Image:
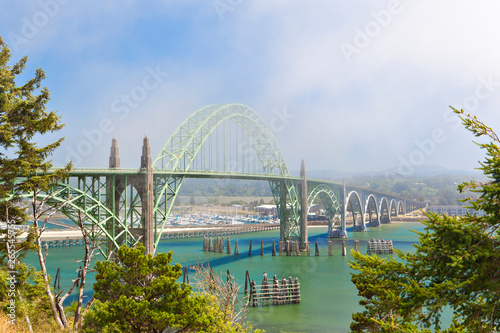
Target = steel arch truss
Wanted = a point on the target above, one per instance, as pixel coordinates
(180, 151)
(88, 197)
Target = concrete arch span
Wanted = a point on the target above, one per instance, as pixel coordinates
(393, 208)
(372, 211)
(334, 211)
(401, 208)
(385, 212)
(354, 204)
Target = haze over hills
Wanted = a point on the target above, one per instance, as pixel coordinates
(432, 184)
(417, 171)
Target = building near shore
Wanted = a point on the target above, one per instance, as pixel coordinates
(454, 210)
(266, 210)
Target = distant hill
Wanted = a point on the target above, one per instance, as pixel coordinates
(419, 171)
(432, 184)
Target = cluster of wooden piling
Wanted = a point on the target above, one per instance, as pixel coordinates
(380, 246)
(288, 248)
(57, 280)
(276, 292)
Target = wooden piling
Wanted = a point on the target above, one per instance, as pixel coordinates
(221, 245)
(344, 250)
(261, 248)
(288, 248)
(281, 247)
(297, 247)
(236, 252)
(58, 278)
(316, 252)
(308, 249)
(356, 245)
(330, 248)
(210, 244)
(228, 246)
(277, 296)
(274, 248)
(247, 278)
(253, 292)
(297, 290)
(250, 248)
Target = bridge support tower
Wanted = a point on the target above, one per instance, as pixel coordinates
(143, 184)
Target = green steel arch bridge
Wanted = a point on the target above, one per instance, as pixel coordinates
(229, 141)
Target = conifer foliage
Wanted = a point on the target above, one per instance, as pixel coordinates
(455, 268)
(140, 293)
(23, 166)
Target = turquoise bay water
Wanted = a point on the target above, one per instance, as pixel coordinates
(328, 296)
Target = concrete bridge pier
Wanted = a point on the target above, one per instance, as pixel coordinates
(283, 213)
(343, 218)
(143, 184)
(145, 187)
(112, 196)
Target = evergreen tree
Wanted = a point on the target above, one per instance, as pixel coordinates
(140, 293)
(23, 167)
(454, 268)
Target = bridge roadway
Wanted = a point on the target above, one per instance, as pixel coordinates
(96, 172)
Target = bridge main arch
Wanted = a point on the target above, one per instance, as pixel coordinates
(180, 150)
(179, 153)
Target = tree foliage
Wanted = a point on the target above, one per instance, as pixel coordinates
(455, 267)
(140, 293)
(23, 166)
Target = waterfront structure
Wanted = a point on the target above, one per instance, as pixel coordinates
(454, 210)
(266, 210)
(126, 206)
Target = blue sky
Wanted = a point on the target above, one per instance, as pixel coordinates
(368, 83)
